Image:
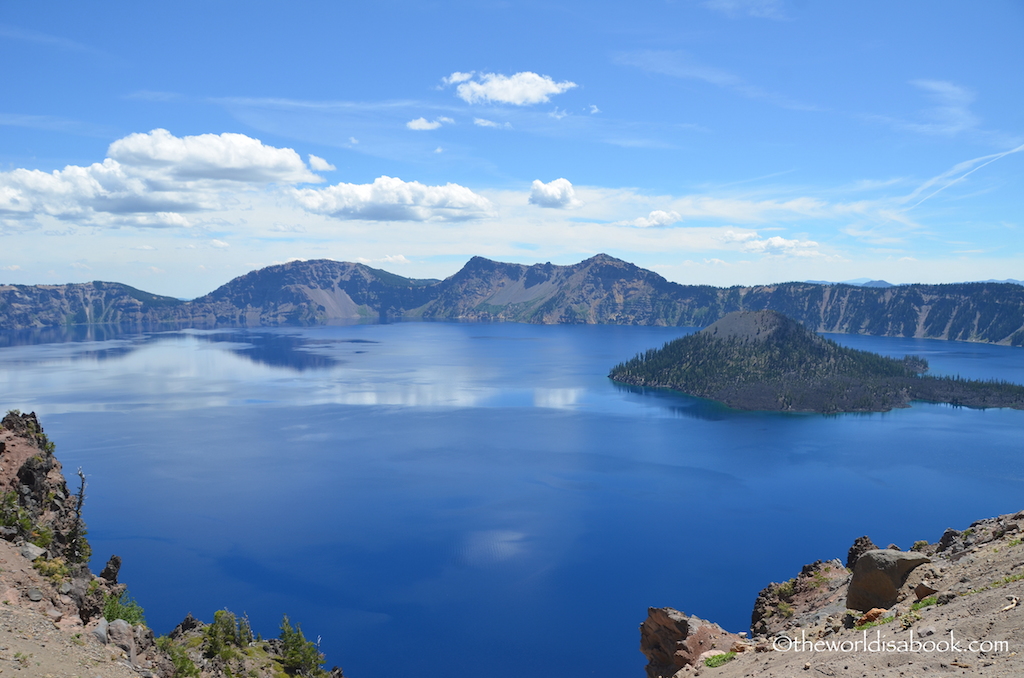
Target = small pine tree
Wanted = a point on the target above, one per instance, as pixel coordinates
(298, 655)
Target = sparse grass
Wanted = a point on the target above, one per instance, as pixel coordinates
(1016, 542)
(924, 602)
(786, 589)
(877, 622)
(919, 545)
(719, 659)
(996, 584)
(786, 610)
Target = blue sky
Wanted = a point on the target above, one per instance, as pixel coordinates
(175, 146)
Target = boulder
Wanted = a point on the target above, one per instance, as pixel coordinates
(31, 551)
(121, 634)
(670, 640)
(878, 576)
(100, 631)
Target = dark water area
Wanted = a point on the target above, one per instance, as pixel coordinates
(445, 499)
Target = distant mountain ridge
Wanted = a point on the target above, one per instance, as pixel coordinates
(601, 289)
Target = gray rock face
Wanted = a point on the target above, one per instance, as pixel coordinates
(121, 634)
(100, 632)
(877, 578)
(31, 551)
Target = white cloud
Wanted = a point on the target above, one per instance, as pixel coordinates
(558, 194)
(319, 164)
(386, 259)
(521, 89)
(391, 199)
(353, 141)
(775, 245)
(150, 180)
(145, 248)
(12, 267)
(219, 244)
(483, 122)
(438, 150)
(79, 266)
(457, 77)
(594, 109)
(422, 124)
(228, 156)
(657, 218)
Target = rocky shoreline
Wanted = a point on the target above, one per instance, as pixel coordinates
(946, 607)
(59, 619)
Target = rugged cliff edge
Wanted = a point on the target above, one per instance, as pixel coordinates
(601, 289)
(59, 619)
(952, 606)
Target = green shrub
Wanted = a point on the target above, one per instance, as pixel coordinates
(719, 659)
(184, 667)
(919, 545)
(123, 607)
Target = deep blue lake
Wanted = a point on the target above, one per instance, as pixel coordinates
(462, 500)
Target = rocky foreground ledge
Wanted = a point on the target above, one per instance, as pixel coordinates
(952, 607)
(59, 620)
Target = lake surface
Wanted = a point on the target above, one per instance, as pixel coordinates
(462, 500)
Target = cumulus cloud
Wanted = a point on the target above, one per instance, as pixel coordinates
(391, 199)
(319, 164)
(657, 218)
(558, 194)
(150, 181)
(521, 89)
(228, 156)
(775, 245)
(422, 124)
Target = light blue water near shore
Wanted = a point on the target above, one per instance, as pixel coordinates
(459, 500)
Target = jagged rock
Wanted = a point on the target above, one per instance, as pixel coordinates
(951, 540)
(878, 576)
(186, 625)
(144, 638)
(671, 640)
(31, 551)
(111, 569)
(861, 545)
(923, 590)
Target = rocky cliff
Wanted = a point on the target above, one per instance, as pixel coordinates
(601, 289)
(943, 607)
(60, 618)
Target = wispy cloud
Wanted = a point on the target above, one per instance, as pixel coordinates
(950, 115)
(678, 64)
(762, 9)
(954, 175)
(28, 35)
